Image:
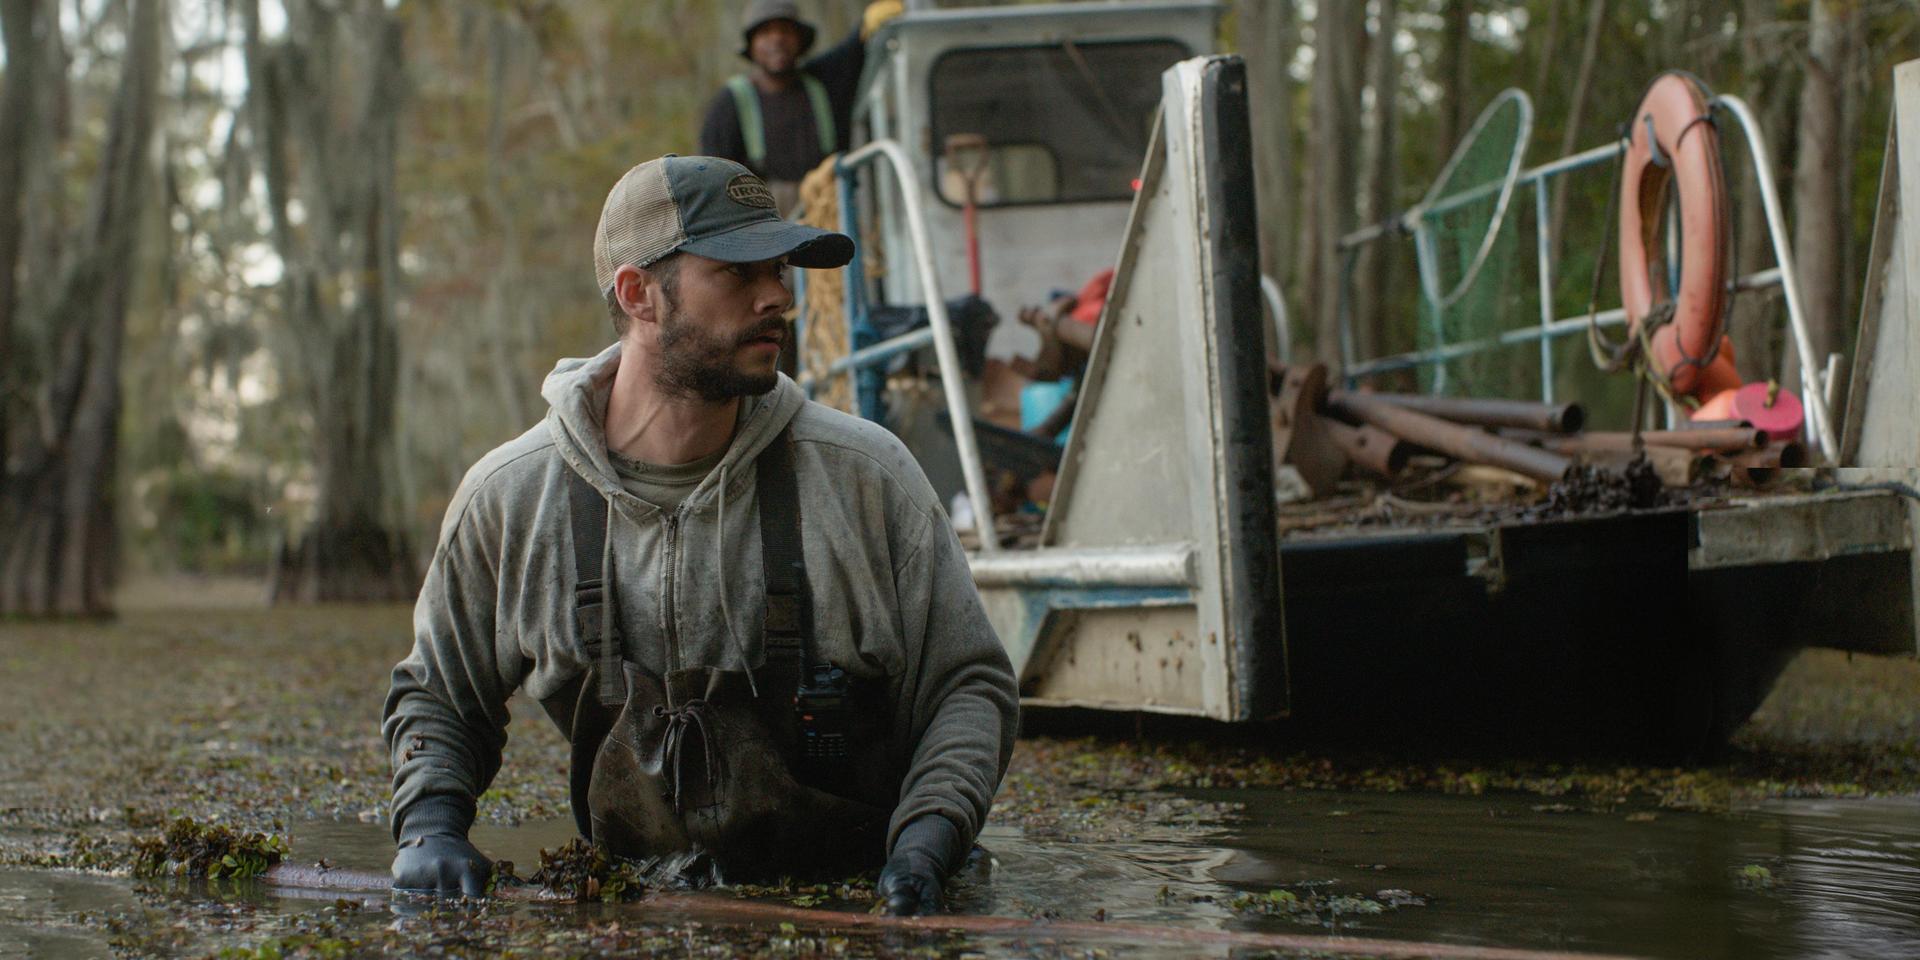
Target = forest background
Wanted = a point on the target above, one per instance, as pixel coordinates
(274, 273)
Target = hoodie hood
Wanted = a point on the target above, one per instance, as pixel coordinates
(576, 393)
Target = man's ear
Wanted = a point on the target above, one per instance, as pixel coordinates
(634, 289)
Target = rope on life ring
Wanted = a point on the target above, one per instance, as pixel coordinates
(1673, 155)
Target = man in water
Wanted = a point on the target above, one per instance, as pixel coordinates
(747, 611)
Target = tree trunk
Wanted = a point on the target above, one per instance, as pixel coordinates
(16, 116)
(1376, 270)
(56, 497)
(325, 108)
(1818, 221)
(1549, 44)
(1339, 35)
(1754, 321)
(1267, 39)
(1452, 75)
(1853, 80)
(1576, 112)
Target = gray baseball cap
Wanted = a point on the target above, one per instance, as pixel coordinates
(707, 206)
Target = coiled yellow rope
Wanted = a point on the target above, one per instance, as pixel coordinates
(826, 335)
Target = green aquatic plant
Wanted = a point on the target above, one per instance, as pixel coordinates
(1753, 876)
(1318, 907)
(583, 871)
(301, 946)
(210, 851)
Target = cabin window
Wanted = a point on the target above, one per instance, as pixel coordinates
(1063, 122)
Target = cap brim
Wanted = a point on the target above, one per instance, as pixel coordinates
(808, 247)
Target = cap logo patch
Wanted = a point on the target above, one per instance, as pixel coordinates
(749, 190)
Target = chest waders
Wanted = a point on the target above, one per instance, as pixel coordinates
(753, 126)
(785, 771)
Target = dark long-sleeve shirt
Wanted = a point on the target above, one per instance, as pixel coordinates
(793, 138)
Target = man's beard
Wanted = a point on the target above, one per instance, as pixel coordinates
(695, 363)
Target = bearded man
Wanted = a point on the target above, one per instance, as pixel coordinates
(746, 611)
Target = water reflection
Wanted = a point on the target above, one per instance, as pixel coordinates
(1792, 879)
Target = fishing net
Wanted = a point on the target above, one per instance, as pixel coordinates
(1466, 243)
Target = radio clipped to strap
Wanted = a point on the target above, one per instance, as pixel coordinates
(820, 695)
(594, 623)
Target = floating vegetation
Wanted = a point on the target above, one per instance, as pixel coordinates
(304, 946)
(1316, 907)
(583, 871)
(210, 851)
(852, 891)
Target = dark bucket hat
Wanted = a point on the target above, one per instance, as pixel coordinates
(762, 12)
(707, 206)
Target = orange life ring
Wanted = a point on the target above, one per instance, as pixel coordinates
(1673, 143)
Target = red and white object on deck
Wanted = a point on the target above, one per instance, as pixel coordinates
(1764, 405)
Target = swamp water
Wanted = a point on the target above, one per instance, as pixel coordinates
(1795, 878)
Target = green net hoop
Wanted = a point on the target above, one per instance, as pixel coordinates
(1465, 247)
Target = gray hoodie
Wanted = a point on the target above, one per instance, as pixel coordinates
(893, 600)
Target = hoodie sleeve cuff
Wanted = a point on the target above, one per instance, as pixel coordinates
(435, 815)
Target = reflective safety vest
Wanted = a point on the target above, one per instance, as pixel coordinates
(753, 127)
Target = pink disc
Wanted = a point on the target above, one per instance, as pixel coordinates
(1780, 419)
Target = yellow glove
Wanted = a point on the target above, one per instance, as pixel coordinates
(877, 15)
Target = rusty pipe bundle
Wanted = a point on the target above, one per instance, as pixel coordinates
(1463, 443)
(1552, 418)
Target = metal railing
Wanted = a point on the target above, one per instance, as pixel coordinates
(1818, 385)
(939, 333)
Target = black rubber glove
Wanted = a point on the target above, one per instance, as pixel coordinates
(434, 855)
(923, 855)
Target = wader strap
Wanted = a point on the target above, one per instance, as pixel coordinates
(789, 611)
(822, 112)
(753, 130)
(753, 126)
(593, 619)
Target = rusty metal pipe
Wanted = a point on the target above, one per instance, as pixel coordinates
(1731, 439)
(1716, 438)
(1371, 447)
(1452, 439)
(1761, 467)
(1553, 418)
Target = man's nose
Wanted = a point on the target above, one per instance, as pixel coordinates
(773, 295)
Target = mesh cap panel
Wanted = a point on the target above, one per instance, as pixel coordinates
(639, 223)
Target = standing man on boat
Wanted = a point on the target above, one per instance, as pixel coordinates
(746, 611)
(782, 117)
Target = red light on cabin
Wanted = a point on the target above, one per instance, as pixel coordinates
(1136, 184)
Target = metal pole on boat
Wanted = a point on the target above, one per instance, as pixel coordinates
(952, 381)
(1810, 386)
